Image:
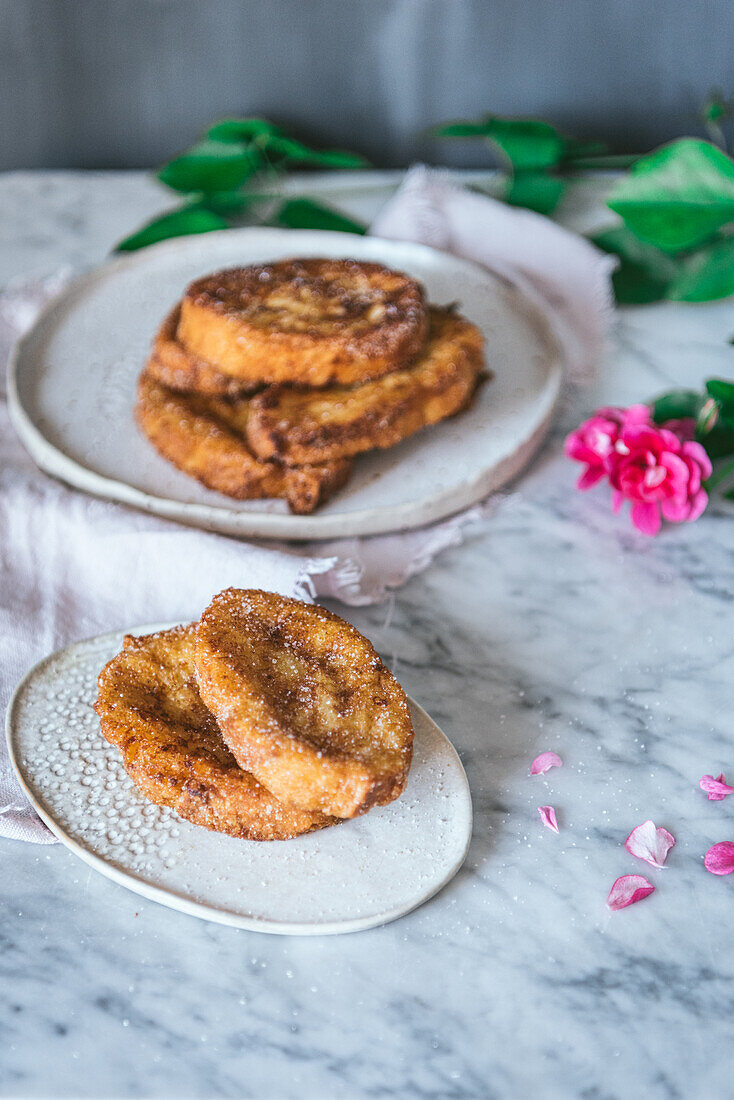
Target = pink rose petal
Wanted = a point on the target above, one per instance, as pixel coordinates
(648, 843)
(717, 788)
(589, 478)
(646, 518)
(698, 505)
(719, 860)
(627, 890)
(544, 762)
(548, 817)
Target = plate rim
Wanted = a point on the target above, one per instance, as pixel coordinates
(170, 899)
(244, 524)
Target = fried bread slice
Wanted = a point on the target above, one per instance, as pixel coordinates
(304, 702)
(170, 364)
(204, 437)
(311, 322)
(171, 746)
(296, 426)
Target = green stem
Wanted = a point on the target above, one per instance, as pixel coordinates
(720, 475)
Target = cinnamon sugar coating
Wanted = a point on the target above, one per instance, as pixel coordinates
(204, 437)
(311, 322)
(296, 425)
(304, 702)
(172, 748)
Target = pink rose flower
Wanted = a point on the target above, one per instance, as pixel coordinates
(593, 441)
(658, 473)
(658, 468)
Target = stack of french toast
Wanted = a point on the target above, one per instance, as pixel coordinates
(267, 719)
(266, 381)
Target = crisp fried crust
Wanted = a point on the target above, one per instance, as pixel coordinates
(203, 436)
(304, 702)
(172, 748)
(176, 368)
(308, 322)
(297, 426)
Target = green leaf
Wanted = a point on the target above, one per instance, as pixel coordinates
(679, 196)
(178, 223)
(243, 129)
(723, 393)
(644, 273)
(211, 166)
(526, 142)
(706, 275)
(715, 424)
(229, 203)
(535, 190)
(307, 214)
(328, 158)
(676, 405)
(635, 286)
(719, 442)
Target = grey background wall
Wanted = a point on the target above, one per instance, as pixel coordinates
(126, 83)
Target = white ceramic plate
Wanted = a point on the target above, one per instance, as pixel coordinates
(353, 876)
(72, 390)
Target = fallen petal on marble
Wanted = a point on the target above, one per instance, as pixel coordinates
(648, 843)
(548, 817)
(719, 860)
(545, 762)
(716, 789)
(627, 890)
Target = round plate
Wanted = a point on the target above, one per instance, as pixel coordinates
(352, 876)
(72, 390)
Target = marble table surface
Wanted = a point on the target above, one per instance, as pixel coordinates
(554, 626)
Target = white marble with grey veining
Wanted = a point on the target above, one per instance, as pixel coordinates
(554, 626)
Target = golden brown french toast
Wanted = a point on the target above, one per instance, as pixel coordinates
(177, 369)
(204, 437)
(311, 322)
(304, 702)
(171, 746)
(297, 426)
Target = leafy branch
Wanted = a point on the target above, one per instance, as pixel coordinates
(221, 180)
(674, 238)
(676, 204)
(535, 154)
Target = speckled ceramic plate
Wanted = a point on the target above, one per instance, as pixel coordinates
(353, 876)
(72, 388)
